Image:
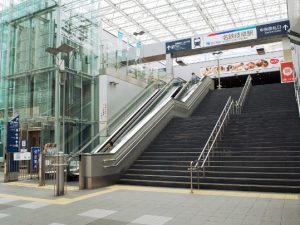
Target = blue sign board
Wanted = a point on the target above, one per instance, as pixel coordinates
(35, 151)
(179, 45)
(272, 29)
(13, 137)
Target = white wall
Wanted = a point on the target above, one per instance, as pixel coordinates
(118, 95)
(294, 13)
(186, 71)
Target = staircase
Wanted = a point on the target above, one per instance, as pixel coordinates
(260, 150)
(166, 160)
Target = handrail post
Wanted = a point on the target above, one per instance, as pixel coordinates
(191, 168)
(198, 178)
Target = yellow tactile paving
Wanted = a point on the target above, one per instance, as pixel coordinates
(213, 192)
(65, 201)
(34, 185)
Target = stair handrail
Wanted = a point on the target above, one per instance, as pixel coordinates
(245, 91)
(215, 134)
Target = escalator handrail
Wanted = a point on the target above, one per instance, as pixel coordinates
(137, 115)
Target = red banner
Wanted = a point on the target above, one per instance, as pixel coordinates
(287, 72)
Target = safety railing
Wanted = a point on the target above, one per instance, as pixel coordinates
(211, 143)
(245, 91)
(188, 87)
(297, 92)
(229, 109)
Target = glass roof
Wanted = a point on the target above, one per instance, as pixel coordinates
(164, 20)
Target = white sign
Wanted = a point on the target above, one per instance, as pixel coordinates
(225, 37)
(19, 156)
(23, 143)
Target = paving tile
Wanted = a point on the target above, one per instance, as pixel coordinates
(107, 222)
(152, 220)
(34, 205)
(2, 207)
(97, 213)
(7, 200)
(2, 215)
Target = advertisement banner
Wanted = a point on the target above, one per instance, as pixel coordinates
(287, 72)
(120, 43)
(242, 67)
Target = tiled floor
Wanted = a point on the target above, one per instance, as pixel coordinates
(125, 205)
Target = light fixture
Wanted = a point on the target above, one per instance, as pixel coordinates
(260, 51)
(64, 48)
(217, 55)
(139, 33)
(113, 83)
(180, 62)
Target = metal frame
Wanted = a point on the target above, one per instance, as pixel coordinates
(161, 18)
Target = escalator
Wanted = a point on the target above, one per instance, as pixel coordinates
(177, 98)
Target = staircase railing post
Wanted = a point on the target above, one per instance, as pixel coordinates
(198, 179)
(191, 168)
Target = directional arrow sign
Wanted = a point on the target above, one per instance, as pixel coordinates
(272, 29)
(179, 45)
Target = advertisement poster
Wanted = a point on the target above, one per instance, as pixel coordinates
(287, 72)
(242, 67)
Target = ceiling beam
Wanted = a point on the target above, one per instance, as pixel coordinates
(155, 17)
(181, 17)
(200, 10)
(117, 8)
(229, 13)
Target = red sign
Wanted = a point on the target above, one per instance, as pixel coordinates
(287, 72)
(274, 61)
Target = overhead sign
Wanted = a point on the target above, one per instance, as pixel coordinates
(13, 137)
(22, 156)
(179, 45)
(231, 36)
(271, 29)
(287, 72)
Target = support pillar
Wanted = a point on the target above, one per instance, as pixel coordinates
(287, 52)
(169, 65)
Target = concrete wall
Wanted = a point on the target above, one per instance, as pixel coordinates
(294, 13)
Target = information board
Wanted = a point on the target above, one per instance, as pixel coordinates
(13, 137)
(179, 45)
(271, 29)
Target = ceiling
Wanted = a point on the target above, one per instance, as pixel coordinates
(163, 20)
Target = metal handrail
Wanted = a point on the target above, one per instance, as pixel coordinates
(216, 132)
(245, 91)
(229, 108)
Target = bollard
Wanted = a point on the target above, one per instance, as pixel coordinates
(60, 175)
(42, 169)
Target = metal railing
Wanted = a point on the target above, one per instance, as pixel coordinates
(297, 92)
(229, 109)
(200, 163)
(245, 91)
